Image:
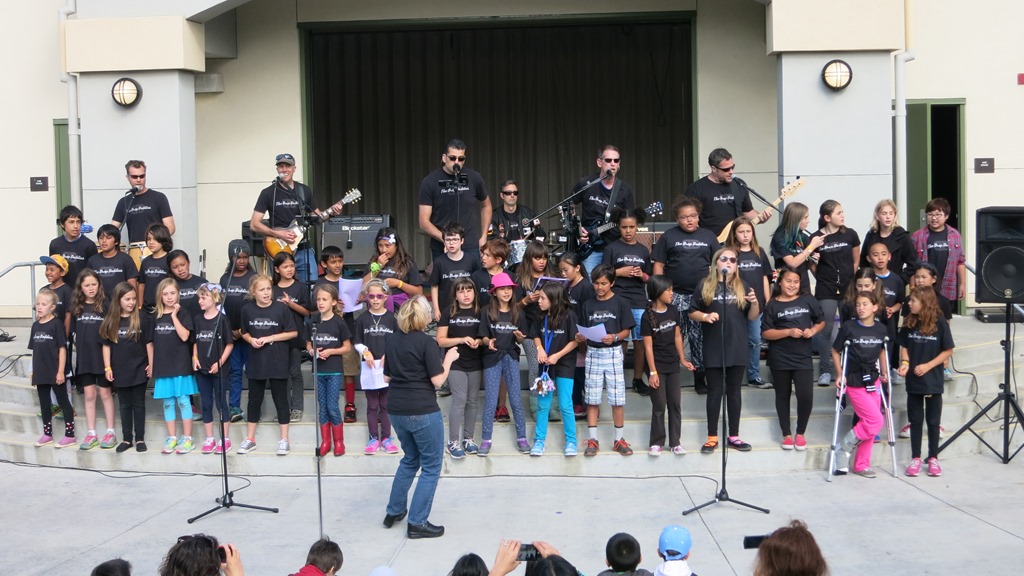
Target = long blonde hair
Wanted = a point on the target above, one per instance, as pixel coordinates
(876, 226)
(732, 281)
(160, 310)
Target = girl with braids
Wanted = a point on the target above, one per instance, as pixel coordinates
(663, 346)
(925, 343)
(632, 263)
(724, 305)
(392, 264)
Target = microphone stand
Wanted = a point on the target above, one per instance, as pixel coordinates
(723, 494)
(227, 499)
(751, 191)
(317, 439)
(571, 235)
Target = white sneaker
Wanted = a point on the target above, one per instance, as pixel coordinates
(825, 379)
(282, 448)
(654, 451)
(678, 450)
(905, 432)
(247, 446)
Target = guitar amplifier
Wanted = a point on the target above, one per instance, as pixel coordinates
(254, 240)
(355, 234)
(649, 233)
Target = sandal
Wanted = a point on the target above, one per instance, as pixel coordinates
(123, 446)
(710, 445)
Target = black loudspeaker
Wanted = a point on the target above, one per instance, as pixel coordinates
(1000, 275)
(254, 239)
(356, 235)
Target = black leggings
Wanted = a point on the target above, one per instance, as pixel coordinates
(133, 412)
(278, 391)
(46, 408)
(926, 408)
(734, 398)
(783, 381)
(210, 386)
(666, 395)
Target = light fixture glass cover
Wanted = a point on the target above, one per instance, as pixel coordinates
(126, 92)
(837, 74)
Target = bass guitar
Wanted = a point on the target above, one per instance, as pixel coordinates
(653, 210)
(788, 190)
(274, 245)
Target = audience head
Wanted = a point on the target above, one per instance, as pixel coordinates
(790, 551)
(622, 553)
(553, 565)
(469, 565)
(326, 556)
(194, 555)
(115, 567)
(674, 543)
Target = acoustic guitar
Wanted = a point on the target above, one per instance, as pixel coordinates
(788, 190)
(274, 245)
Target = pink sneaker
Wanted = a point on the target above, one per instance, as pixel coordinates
(44, 440)
(914, 469)
(933, 467)
(70, 441)
(787, 443)
(227, 447)
(389, 446)
(209, 445)
(801, 443)
(372, 446)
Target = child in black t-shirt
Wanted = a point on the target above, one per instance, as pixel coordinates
(267, 326)
(173, 379)
(111, 264)
(838, 257)
(925, 343)
(56, 270)
(755, 270)
(554, 337)
(294, 295)
(502, 327)
(370, 340)
(395, 267)
(493, 258)
(49, 356)
(330, 341)
(866, 370)
(88, 306)
(894, 293)
(789, 322)
(579, 291)
(154, 267)
(536, 264)
(449, 267)
(604, 361)
(235, 283)
(72, 245)
(211, 352)
(460, 326)
(632, 263)
(663, 346)
(127, 361)
(333, 260)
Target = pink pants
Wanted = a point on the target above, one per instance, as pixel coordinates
(868, 406)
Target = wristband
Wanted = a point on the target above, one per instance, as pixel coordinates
(654, 372)
(400, 284)
(108, 369)
(704, 318)
(907, 362)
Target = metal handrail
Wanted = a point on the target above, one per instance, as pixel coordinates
(32, 278)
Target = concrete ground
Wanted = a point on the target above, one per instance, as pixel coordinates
(971, 520)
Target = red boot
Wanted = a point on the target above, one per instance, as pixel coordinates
(339, 440)
(325, 435)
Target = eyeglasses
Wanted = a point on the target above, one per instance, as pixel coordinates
(376, 296)
(726, 168)
(688, 216)
(452, 158)
(453, 240)
(610, 160)
(936, 214)
(510, 192)
(137, 176)
(729, 259)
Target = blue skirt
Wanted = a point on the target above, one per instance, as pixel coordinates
(174, 386)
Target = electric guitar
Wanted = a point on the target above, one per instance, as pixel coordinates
(788, 190)
(653, 210)
(274, 245)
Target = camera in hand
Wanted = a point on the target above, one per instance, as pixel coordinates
(527, 553)
(753, 541)
(222, 554)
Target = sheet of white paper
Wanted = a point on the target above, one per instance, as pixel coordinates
(372, 379)
(349, 291)
(593, 333)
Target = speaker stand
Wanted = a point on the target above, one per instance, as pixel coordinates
(1006, 398)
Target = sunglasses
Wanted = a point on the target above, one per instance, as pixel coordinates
(729, 259)
(137, 176)
(610, 160)
(726, 168)
(376, 296)
(456, 158)
(510, 192)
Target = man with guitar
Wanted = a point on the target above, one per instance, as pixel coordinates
(287, 200)
(597, 202)
(723, 197)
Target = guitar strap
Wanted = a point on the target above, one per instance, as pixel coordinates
(611, 202)
(735, 189)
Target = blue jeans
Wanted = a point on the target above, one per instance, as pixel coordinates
(328, 389)
(238, 359)
(754, 347)
(591, 262)
(422, 439)
(563, 387)
(305, 265)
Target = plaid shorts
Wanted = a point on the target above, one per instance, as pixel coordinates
(604, 368)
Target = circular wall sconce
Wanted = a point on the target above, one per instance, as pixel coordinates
(126, 92)
(837, 74)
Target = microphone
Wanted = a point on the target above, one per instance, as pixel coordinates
(457, 168)
(279, 178)
(315, 317)
(724, 271)
(133, 191)
(607, 174)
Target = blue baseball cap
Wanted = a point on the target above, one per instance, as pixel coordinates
(674, 542)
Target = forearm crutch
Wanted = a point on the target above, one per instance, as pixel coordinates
(887, 402)
(839, 411)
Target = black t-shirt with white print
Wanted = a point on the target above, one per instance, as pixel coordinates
(128, 356)
(614, 313)
(790, 353)
(662, 327)
(88, 346)
(151, 271)
(206, 333)
(865, 345)
(171, 355)
(463, 323)
(686, 256)
(561, 335)
(446, 271)
(731, 319)
(45, 341)
(373, 330)
(922, 348)
(330, 334)
(618, 254)
(271, 360)
(502, 330)
(835, 263)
